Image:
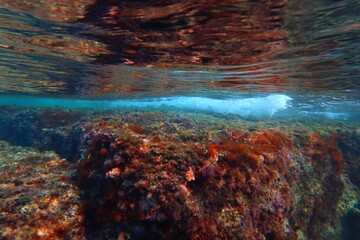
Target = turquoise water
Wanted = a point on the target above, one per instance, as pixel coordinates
(271, 106)
(307, 58)
(165, 119)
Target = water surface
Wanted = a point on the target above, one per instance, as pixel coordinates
(104, 107)
(230, 50)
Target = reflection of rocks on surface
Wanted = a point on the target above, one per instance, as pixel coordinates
(192, 32)
(54, 10)
(158, 33)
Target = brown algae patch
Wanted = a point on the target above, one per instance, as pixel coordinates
(38, 197)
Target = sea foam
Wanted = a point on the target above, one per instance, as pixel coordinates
(256, 106)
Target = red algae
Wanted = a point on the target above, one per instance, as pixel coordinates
(157, 190)
(324, 148)
(175, 178)
(136, 129)
(189, 175)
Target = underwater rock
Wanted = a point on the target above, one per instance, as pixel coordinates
(45, 129)
(236, 184)
(152, 175)
(38, 196)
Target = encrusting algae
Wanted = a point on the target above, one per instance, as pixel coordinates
(39, 199)
(145, 175)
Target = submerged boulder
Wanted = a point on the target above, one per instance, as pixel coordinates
(218, 184)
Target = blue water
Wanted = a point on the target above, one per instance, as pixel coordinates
(50, 59)
(248, 107)
(278, 82)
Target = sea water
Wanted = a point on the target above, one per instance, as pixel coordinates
(246, 65)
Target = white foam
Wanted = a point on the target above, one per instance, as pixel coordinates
(256, 106)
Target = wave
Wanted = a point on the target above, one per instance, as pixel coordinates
(254, 107)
